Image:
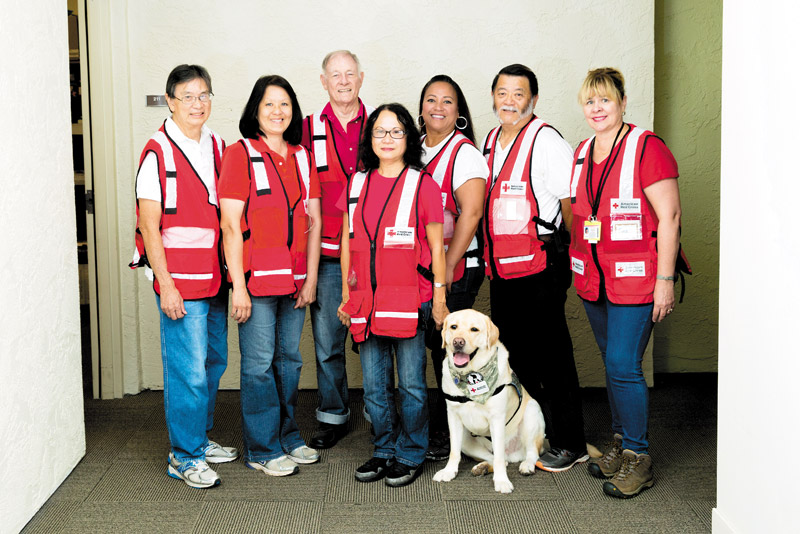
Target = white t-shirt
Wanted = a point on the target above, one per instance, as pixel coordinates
(551, 169)
(200, 155)
(469, 164)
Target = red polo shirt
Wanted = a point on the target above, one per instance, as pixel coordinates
(346, 142)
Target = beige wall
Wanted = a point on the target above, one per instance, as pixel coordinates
(41, 402)
(687, 96)
(149, 37)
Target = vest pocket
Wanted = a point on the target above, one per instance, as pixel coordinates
(513, 253)
(396, 311)
(271, 272)
(582, 267)
(358, 308)
(192, 269)
(629, 274)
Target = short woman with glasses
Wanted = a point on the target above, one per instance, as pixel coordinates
(393, 278)
(269, 197)
(460, 170)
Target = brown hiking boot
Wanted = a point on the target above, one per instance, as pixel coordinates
(634, 475)
(607, 465)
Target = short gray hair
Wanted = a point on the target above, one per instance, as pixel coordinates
(342, 52)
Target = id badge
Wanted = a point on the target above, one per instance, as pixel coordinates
(626, 227)
(591, 231)
(395, 237)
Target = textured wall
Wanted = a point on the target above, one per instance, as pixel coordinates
(687, 103)
(471, 42)
(41, 403)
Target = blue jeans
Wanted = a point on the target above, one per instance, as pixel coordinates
(329, 344)
(402, 436)
(622, 333)
(194, 353)
(270, 345)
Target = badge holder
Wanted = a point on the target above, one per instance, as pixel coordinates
(591, 230)
(626, 227)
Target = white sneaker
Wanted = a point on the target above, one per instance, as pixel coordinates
(279, 467)
(304, 455)
(195, 473)
(217, 454)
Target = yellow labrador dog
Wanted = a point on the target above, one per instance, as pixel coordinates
(485, 400)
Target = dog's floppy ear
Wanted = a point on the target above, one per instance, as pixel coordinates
(492, 332)
(445, 328)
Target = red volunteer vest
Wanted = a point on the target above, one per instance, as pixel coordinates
(625, 259)
(441, 169)
(275, 236)
(332, 179)
(512, 248)
(383, 279)
(189, 220)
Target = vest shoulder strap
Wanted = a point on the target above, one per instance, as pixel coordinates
(259, 168)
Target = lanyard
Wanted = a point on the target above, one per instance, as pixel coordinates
(595, 200)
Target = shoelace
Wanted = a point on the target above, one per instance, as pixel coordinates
(196, 464)
(628, 466)
(614, 451)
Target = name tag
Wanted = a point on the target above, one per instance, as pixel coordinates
(398, 237)
(591, 231)
(626, 205)
(513, 188)
(577, 265)
(477, 385)
(626, 227)
(623, 269)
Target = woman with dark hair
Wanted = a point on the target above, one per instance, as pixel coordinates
(393, 211)
(461, 172)
(625, 242)
(269, 200)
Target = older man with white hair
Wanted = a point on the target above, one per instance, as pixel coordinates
(527, 261)
(333, 134)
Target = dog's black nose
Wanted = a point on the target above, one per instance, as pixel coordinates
(458, 344)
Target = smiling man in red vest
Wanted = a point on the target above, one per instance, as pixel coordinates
(333, 134)
(525, 249)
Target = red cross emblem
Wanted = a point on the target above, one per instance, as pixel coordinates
(472, 390)
(505, 188)
(615, 205)
(620, 269)
(391, 232)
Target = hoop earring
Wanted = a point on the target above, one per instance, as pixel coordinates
(623, 113)
(420, 121)
(466, 123)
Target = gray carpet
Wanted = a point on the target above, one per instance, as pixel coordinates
(121, 484)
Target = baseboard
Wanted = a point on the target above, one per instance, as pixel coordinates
(718, 523)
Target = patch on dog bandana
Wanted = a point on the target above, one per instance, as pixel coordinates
(477, 385)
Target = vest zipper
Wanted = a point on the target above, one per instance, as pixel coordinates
(290, 239)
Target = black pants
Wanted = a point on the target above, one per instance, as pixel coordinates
(461, 297)
(529, 312)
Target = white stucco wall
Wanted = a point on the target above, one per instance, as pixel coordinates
(41, 403)
(759, 293)
(401, 45)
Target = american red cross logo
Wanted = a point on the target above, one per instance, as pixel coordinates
(472, 390)
(615, 205)
(620, 269)
(505, 188)
(391, 233)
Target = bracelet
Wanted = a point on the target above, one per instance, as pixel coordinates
(437, 284)
(662, 277)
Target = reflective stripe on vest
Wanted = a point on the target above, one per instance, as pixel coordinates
(259, 171)
(406, 198)
(171, 193)
(524, 150)
(444, 161)
(319, 137)
(579, 163)
(355, 191)
(626, 169)
(301, 156)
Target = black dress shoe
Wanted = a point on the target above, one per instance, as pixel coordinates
(327, 435)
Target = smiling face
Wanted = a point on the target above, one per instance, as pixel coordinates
(513, 101)
(469, 334)
(440, 108)
(190, 117)
(342, 80)
(603, 113)
(389, 150)
(274, 111)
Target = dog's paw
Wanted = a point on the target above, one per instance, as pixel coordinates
(503, 486)
(483, 468)
(445, 475)
(526, 468)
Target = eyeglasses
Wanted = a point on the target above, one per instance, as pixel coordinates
(396, 133)
(204, 98)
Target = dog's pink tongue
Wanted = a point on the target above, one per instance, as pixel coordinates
(461, 359)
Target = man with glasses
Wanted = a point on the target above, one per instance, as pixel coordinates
(333, 134)
(177, 240)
